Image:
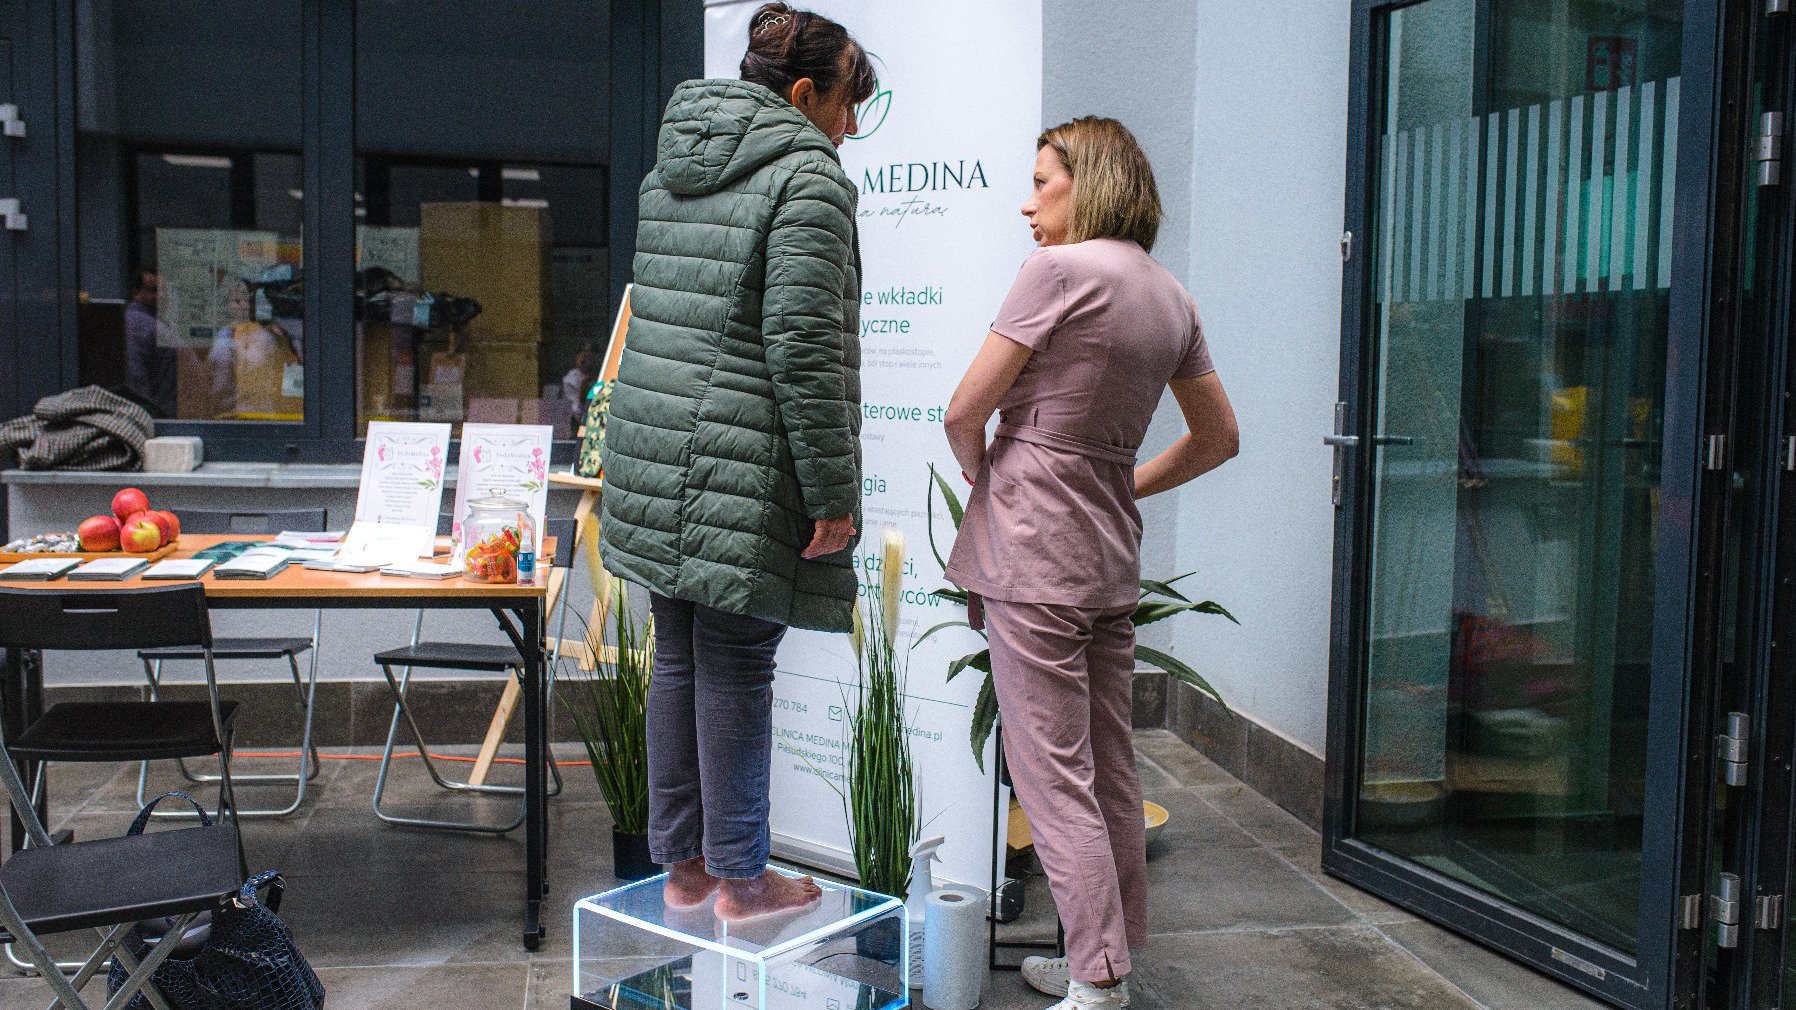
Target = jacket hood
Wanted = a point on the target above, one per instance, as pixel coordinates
(718, 130)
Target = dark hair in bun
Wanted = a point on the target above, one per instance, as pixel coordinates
(787, 45)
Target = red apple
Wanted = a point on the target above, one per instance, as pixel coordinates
(174, 522)
(98, 533)
(128, 503)
(140, 536)
(164, 528)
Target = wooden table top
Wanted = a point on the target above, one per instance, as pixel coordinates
(299, 582)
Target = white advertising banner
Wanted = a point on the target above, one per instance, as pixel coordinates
(943, 161)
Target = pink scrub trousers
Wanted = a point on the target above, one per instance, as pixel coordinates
(1063, 676)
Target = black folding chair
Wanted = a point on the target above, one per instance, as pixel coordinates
(502, 659)
(238, 648)
(109, 886)
(107, 731)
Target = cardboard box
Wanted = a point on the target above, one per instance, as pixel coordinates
(495, 254)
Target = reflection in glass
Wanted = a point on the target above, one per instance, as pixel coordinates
(482, 281)
(1521, 265)
(188, 132)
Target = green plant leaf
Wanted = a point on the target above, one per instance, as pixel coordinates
(1179, 671)
(953, 595)
(1149, 611)
(981, 660)
(954, 511)
(940, 627)
(1164, 588)
(985, 716)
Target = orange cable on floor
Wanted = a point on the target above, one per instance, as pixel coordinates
(293, 755)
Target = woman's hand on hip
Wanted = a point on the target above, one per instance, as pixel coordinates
(831, 536)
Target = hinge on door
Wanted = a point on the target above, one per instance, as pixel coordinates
(1732, 748)
(1715, 454)
(1690, 911)
(1767, 911)
(1768, 148)
(1724, 909)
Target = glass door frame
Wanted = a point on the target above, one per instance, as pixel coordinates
(1764, 685)
(1664, 972)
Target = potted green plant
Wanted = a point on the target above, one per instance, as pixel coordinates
(881, 799)
(882, 796)
(1159, 601)
(609, 708)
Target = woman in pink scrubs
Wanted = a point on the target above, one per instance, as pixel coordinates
(1090, 336)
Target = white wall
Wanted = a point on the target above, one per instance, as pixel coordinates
(1267, 174)
(1243, 110)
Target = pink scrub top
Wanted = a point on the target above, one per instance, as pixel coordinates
(1052, 517)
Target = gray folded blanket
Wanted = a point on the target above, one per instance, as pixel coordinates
(82, 429)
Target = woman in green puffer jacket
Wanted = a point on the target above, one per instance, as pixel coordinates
(732, 446)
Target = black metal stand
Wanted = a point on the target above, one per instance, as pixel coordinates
(991, 918)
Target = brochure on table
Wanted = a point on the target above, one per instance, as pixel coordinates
(504, 460)
(401, 493)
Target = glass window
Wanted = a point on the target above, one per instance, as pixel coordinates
(189, 204)
(481, 140)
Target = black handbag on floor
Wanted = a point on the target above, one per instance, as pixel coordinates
(243, 958)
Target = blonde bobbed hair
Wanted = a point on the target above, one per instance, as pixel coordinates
(1114, 195)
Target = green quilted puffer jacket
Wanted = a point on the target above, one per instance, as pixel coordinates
(735, 420)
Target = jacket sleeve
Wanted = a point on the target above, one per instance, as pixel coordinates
(808, 250)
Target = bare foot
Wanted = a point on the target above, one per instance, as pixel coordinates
(770, 892)
(688, 885)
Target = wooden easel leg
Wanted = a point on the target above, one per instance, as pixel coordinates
(585, 539)
(495, 731)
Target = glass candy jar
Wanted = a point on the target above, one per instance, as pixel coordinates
(490, 535)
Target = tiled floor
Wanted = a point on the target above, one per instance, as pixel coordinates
(1242, 915)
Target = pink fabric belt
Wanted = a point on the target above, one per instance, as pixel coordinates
(1066, 443)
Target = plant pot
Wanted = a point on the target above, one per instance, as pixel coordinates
(630, 858)
(881, 941)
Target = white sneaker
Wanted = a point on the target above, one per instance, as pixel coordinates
(1085, 996)
(1049, 975)
(1046, 974)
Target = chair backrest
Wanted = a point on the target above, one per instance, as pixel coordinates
(563, 532)
(251, 521)
(88, 620)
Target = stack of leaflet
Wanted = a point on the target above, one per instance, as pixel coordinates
(108, 569)
(39, 569)
(304, 547)
(256, 563)
(179, 569)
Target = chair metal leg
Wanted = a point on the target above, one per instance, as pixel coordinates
(309, 763)
(399, 686)
(66, 967)
(152, 672)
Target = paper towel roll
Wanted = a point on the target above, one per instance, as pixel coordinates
(953, 948)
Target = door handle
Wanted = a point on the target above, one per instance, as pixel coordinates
(10, 214)
(10, 123)
(1352, 441)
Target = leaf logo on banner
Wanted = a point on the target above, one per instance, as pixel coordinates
(871, 115)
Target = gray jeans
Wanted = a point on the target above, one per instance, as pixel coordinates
(710, 736)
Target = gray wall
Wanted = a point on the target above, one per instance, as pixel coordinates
(1243, 109)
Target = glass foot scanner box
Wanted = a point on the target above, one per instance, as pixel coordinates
(634, 951)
